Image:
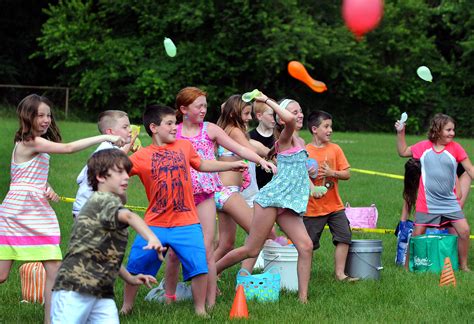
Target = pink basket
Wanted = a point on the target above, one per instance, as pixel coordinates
(362, 217)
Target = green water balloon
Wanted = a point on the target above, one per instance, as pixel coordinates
(424, 73)
(169, 47)
(249, 96)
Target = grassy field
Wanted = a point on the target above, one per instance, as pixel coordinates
(398, 297)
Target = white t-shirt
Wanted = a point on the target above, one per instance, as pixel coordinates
(251, 191)
(85, 191)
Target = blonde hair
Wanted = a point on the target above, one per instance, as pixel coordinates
(260, 107)
(108, 119)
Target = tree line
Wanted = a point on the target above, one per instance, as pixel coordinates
(111, 53)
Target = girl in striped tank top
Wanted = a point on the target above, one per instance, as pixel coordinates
(29, 229)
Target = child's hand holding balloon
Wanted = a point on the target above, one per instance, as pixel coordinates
(239, 166)
(268, 166)
(261, 97)
(312, 166)
(400, 124)
(318, 191)
(51, 194)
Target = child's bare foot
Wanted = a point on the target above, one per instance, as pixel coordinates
(465, 269)
(303, 299)
(126, 309)
(169, 299)
(203, 314)
(210, 307)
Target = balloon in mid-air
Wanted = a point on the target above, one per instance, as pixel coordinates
(298, 71)
(424, 73)
(170, 48)
(361, 16)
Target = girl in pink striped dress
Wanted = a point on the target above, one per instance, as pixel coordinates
(29, 229)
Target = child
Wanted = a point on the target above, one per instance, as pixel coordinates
(437, 204)
(328, 208)
(231, 205)
(163, 168)
(191, 105)
(84, 287)
(263, 133)
(30, 227)
(411, 181)
(114, 122)
(282, 200)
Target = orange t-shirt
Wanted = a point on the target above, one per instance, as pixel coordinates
(165, 174)
(331, 201)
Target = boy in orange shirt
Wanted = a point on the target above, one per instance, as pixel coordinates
(328, 208)
(164, 170)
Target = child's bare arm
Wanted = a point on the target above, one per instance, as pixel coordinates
(135, 222)
(261, 149)
(467, 165)
(326, 171)
(216, 166)
(139, 279)
(287, 117)
(41, 145)
(402, 148)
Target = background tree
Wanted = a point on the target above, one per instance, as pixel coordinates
(112, 53)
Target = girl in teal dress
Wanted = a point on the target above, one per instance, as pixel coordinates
(282, 200)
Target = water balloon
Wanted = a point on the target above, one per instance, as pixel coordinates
(424, 73)
(298, 71)
(135, 132)
(314, 164)
(403, 117)
(249, 96)
(362, 16)
(169, 47)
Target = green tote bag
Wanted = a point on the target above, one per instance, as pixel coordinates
(427, 252)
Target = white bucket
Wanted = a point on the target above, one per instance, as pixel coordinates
(285, 259)
(364, 259)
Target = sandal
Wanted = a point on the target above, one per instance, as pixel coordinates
(349, 279)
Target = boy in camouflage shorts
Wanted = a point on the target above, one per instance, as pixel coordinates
(84, 287)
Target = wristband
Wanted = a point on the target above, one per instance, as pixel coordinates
(266, 101)
(172, 297)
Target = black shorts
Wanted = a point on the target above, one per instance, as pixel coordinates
(338, 225)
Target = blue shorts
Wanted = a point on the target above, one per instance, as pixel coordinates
(186, 241)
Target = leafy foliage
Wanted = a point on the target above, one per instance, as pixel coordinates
(112, 52)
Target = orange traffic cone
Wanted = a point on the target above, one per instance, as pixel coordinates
(447, 275)
(239, 307)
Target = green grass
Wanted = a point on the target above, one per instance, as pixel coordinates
(398, 297)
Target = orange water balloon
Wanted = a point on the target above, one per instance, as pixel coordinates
(298, 71)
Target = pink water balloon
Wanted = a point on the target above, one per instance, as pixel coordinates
(362, 16)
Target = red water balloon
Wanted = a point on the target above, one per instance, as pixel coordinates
(362, 16)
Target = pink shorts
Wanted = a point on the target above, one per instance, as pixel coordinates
(200, 197)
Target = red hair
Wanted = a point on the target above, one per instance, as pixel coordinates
(185, 97)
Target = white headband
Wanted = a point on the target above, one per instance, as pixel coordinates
(284, 104)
